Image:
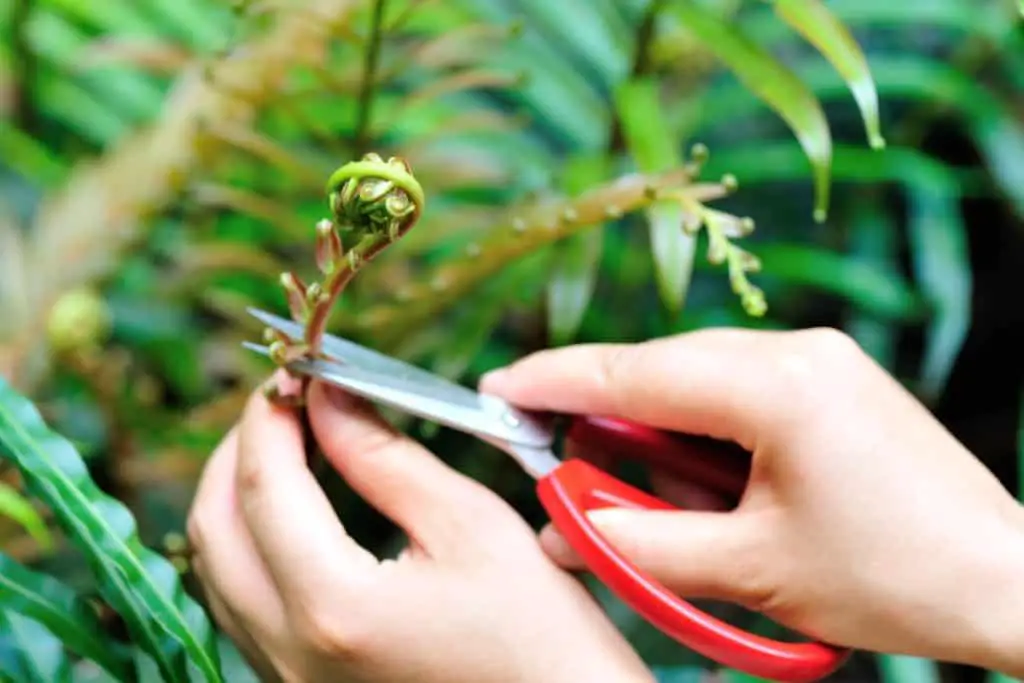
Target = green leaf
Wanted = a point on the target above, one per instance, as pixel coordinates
(139, 584)
(64, 614)
(874, 242)
(941, 263)
(21, 510)
(905, 669)
(577, 258)
(774, 84)
(654, 147)
(41, 656)
(873, 289)
(813, 20)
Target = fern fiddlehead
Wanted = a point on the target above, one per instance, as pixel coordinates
(373, 203)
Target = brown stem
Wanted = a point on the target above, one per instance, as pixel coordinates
(368, 247)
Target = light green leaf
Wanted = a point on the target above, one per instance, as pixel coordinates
(577, 258)
(143, 587)
(813, 20)
(57, 607)
(941, 263)
(773, 83)
(42, 657)
(572, 282)
(654, 147)
(904, 669)
(21, 510)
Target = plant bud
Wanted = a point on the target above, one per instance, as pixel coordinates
(376, 197)
(328, 247)
(80, 319)
(295, 291)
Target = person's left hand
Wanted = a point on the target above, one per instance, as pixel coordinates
(473, 598)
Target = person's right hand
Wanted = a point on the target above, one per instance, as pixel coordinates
(865, 523)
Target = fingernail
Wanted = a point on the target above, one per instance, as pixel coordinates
(556, 547)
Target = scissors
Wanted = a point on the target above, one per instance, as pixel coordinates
(568, 489)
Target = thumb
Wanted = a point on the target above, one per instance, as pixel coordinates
(709, 555)
(395, 474)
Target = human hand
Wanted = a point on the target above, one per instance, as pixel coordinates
(473, 598)
(864, 523)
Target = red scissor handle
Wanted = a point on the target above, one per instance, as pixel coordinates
(576, 487)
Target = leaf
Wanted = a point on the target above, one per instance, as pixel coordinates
(905, 669)
(42, 657)
(654, 148)
(57, 607)
(577, 258)
(941, 263)
(679, 674)
(16, 507)
(832, 38)
(874, 242)
(139, 584)
(774, 84)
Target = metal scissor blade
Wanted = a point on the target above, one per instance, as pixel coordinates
(488, 417)
(352, 354)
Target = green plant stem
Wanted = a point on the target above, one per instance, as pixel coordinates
(360, 139)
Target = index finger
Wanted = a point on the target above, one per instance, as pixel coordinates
(715, 382)
(303, 543)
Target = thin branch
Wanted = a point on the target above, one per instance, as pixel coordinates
(360, 140)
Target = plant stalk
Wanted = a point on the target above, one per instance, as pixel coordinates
(361, 137)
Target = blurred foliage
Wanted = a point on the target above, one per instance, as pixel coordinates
(163, 161)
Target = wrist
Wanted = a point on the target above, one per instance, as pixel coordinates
(998, 618)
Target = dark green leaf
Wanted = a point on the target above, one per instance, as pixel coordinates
(141, 585)
(679, 674)
(832, 38)
(773, 83)
(939, 253)
(42, 657)
(655, 148)
(874, 241)
(65, 615)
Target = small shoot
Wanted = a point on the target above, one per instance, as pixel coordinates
(373, 203)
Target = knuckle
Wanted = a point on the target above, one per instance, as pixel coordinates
(251, 477)
(829, 348)
(754, 573)
(614, 368)
(323, 634)
(811, 356)
(753, 584)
